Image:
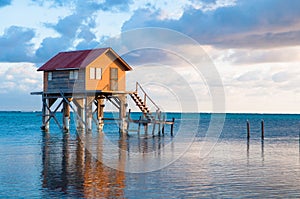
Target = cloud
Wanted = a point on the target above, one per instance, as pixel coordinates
(72, 28)
(106, 5)
(256, 56)
(249, 76)
(280, 76)
(16, 45)
(53, 2)
(19, 77)
(5, 3)
(254, 23)
(116, 5)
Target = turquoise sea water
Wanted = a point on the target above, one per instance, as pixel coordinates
(34, 164)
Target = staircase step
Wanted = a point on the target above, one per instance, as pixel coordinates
(142, 106)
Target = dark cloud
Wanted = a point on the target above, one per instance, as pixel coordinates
(5, 3)
(253, 23)
(71, 28)
(51, 46)
(15, 44)
(87, 45)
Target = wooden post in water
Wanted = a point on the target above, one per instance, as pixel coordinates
(100, 113)
(159, 122)
(163, 125)
(80, 110)
(89, 113)
(139, 126)
(262, 130)
(248, 129)
(128, 120)
(46, 114)
(153, 128)
(66, 116)
(122, 115)
(146, 129)
(172, 126)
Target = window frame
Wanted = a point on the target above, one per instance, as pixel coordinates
(92, 73)
(98, 73)
(95, 73)
(50, 76)
(73, 75)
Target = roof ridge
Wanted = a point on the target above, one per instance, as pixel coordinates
(85, 50)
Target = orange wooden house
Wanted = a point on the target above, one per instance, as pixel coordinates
(86, 70)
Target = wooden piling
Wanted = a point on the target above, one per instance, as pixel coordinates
(122, 114)
(159, 122)
(172, 126)
(100, 113)
(248, 129)
(46, 114)
(66, 116)
(139, 126)
(262, 130)
(128, 120)
(153, 128)
(146, 129)
(80, 117)
(163, 125)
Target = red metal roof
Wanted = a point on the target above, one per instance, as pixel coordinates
(77, 59)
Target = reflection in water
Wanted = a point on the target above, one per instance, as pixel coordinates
(262, 152)
(70, 167)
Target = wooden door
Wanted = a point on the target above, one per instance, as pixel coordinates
(113, 79)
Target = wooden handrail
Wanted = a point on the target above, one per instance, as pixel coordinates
(145, 95)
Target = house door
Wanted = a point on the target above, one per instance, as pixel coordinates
(113, 79)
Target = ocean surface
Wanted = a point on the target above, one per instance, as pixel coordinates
(198, 162)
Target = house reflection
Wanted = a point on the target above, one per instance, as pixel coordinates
(69, 166)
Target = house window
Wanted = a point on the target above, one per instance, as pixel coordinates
(98, 73)
(73, 74)
(95, 73)
(49, 76)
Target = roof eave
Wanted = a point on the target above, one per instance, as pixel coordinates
(121, 59)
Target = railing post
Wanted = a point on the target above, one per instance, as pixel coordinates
(136, 87)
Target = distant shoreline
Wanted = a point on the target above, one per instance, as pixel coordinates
(236, 113)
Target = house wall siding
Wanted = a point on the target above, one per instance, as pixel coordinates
(61, 82)
(105, 62)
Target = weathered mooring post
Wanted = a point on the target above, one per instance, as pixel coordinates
(248, 129)
(66, 115)
(80, 119)
(45, 114)
(262, 130)
(122, 114)
(89, 112)
(100, 113)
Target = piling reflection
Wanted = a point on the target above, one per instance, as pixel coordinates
(70, 167)
(262, 152)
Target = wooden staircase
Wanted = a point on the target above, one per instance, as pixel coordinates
(141, 103)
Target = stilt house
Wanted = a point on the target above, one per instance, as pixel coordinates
(86, 70)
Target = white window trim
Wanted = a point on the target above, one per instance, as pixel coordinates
(73, 74)
(50, 76)
(95, 73)
(92, 73)
(98, 73)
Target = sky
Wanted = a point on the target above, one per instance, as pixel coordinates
(253, 48)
